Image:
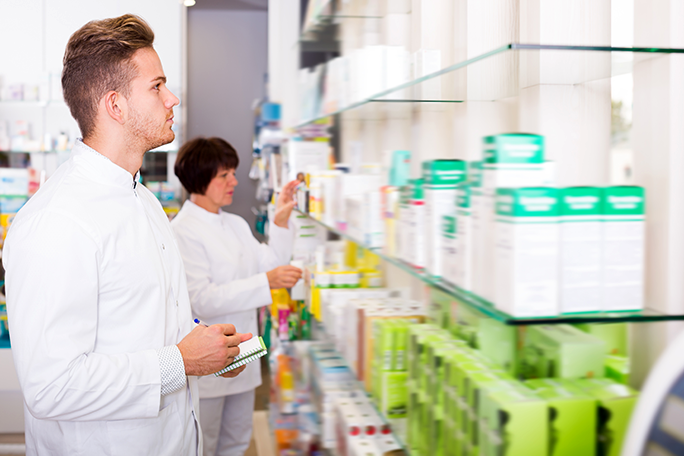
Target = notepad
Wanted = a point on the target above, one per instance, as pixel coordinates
(250, 350)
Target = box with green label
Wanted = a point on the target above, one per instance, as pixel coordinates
(449, 248)
(615, 405)
(561, 351)
(464, 238)
(514, 422)
(580, 249)
(393, 394)
(623, 248)
(572, 417)
(476, 386)
(615, 335)
(441, 178)
(527, 237)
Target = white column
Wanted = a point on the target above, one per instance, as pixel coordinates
(658, 144)
(565, 95)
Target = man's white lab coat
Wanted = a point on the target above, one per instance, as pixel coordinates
(226, 269)
(95, 284)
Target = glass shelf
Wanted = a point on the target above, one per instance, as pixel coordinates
(473, 301)
(506, 71)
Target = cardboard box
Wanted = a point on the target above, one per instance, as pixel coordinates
(572, 417)
(514, 423)
(527, 251)
(623, 248)
(561, 351)
(616, 403)
(441, 178)
(580, 249)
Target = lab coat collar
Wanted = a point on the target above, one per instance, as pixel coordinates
(201, 213)
(109, 171)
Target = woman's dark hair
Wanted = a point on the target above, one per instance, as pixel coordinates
(199, 161)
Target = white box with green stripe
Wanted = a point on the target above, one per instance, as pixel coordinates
(464, 238)
(623, 248)
(580, 249)
(527, 244)
(441, 178)
(511, 160)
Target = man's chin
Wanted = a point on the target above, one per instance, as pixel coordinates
(162, 141)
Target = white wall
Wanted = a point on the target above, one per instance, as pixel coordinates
(33, 36)
(227, 62)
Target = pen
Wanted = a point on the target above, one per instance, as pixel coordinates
(200, 322)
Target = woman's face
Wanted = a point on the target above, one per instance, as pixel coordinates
(221, 187)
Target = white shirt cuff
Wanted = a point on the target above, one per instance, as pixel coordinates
(172, 369)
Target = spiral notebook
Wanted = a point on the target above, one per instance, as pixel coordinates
(250, 350)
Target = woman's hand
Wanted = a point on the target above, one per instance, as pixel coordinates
(283, 277)
(285, 204)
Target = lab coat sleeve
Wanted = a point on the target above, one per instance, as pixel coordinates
(53, 266)
(209, 297)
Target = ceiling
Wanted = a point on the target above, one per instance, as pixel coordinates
(261, 5)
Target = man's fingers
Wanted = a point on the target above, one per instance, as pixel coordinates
(233, 341)
(245, 336)
(226, 328)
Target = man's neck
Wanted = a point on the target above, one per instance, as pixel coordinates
(127, 157)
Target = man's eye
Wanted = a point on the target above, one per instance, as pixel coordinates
(157, 86)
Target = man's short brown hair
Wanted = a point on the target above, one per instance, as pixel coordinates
(199, 161)
(98, 60)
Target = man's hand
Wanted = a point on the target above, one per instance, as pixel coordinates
(283, 277)
(285, 204)
(235, 372)
(208, 349)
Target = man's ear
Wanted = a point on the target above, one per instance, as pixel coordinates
(116, 106)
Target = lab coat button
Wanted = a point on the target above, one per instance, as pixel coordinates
(176, 302)
(163, 248)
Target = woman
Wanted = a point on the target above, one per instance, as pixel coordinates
(230, 274)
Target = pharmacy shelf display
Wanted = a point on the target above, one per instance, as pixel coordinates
(472, 300)
(495, 75)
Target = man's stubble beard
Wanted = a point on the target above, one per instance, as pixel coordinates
(144, 133)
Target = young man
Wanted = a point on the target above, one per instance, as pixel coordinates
(97, 300)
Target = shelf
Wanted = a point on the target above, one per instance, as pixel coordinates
(475, 302)
(506, 71)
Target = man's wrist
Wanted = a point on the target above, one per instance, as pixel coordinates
(171, 369)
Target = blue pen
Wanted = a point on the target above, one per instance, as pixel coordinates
(200, 322)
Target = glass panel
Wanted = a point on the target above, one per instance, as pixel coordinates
(379, 74)
(486, 308)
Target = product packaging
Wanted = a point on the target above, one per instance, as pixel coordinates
(580, 249)
(441, 178)
(526, 266)
(561, 351)
(623, 248)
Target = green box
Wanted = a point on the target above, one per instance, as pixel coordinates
(615, 405)
(618, 368)
(477, 385)
(514, 423)
(393, 394)
(518, 148)
(572, 418)
(613, 334)
(561, 351)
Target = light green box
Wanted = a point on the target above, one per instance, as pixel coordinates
(514, 423)
(613, 334)
(393, 394)
(561, 351)
(615, 405)
(478, 384)
(572, 418)
(618, 368)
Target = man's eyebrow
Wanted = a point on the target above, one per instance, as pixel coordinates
(159, 78)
